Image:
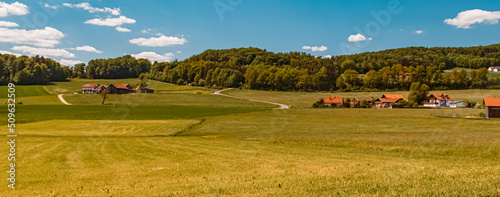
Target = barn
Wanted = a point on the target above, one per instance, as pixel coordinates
(492, 107)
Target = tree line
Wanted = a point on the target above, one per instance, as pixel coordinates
(26, 70)
(254, 68)
(258, 69)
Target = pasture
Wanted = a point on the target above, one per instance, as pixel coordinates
(25, 91)
(184, 143)
(306, 99)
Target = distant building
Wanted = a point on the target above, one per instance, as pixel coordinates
(89, 88)
(387, 99)
(438, 100)
(122, 88)
(394, 96)
(492, 107)
(144, 90)
(494, 69)
(457, 104)
(357, 99)
(386, 102)
(334, 101)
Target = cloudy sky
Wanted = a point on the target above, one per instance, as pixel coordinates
(72, 31)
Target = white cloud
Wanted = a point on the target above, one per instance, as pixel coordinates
(179, 52)
(43, 51)
(8, 24)
(87, 48)
(357, 38)
(419, 31)
(50, 6)
(466, 18)
(152, 56)
(8, 52)
(88, 7)
(112, 22)
(122, 29)
(315, 48)
(69, 62)
(47, 37)
(15, 8)
(327, 57)
(158, 42)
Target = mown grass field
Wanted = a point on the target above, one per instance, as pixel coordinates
(187, 144)
(24, 91)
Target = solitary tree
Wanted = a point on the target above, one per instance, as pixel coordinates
(418, 93)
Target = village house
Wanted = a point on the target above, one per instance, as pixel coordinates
(334, 101)
(387, 99)
(492, 107)
(438, 100)
(122, 88)
(357, 99)
(89, 88)
(494, 69)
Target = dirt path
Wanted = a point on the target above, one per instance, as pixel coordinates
(282, 106)
(62, 99)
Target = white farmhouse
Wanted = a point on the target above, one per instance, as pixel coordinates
(439, 100)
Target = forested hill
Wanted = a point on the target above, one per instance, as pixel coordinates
(393, 69)
(255, 68)
(441, 57)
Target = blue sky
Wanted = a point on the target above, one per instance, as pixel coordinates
(73, 31)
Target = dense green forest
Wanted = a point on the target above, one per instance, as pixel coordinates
(394, 69)
(31, 70)
(254, 68)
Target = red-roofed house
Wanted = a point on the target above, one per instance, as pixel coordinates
(387, 99)
(438, 100)
(386, 102)
(494, 69)
(89, 88)
(393, 96)
(334, 101)
(122, 88)
(492, 107)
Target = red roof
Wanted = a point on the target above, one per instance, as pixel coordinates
(388, 100)
(492, 102)
(333, 100)
(364, 98)
(91, 85)
(122, 86)
(442, 97)
(393, 96)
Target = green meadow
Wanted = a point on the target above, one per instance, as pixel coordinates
(184, 141)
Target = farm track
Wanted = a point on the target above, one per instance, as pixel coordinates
(60, 96)
(282, 106)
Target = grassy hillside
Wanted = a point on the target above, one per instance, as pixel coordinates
(24, 91)
(75, 85)
(306, 99)
(312, 152)
(181, 143)
(31, 113)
